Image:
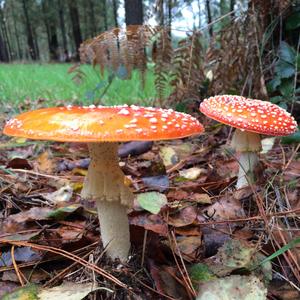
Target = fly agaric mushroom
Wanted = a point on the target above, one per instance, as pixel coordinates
(102, 128)
(251, 118)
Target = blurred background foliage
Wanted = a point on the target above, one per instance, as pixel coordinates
(164, 52)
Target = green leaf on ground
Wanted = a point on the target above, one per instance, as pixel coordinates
(25, 293)
(199, 273)
(62, 212)
(152, 201)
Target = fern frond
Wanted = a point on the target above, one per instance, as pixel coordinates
(188, 72)
(119, 48)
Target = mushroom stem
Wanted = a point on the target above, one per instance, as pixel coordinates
(248, 144)
(104, 184)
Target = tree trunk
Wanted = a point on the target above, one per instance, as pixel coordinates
(104, 14)
(134, 12)
(161, 13)
(36, 44)
(14, 17)
(209, 18)
(115, 12)
(49, 21)
(5, 37)
(199, 13)
(74, 15)
(3, 50)
(30, 40)
(232, 4)
(93, 30)
(170, 5)
(61, 16)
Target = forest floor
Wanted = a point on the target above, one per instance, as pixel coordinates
(20, 83)
(195, 227)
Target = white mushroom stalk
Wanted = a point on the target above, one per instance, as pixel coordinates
(247, 144)
(104, 184)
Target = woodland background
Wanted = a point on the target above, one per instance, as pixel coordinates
(227, 46)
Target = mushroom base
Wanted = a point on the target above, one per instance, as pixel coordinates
(114, 228)
(104, 184)
(247, 162)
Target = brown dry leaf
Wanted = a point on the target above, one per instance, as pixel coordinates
(35, 275)
(177, 194)
(284, 291)
(200, 198)
(243, 193)
(292, 172)
(70, 233)
(186, 216)
(151, 222)
(17, 222)
(45, 164)
(188, 231)
(228, 168)
(7, 287)
(19, 163)
(188, 246)
(165, 281)
(225, 209)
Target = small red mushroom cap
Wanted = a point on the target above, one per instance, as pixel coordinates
(103, 124)
(249, 114)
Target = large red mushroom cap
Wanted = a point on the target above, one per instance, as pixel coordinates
(103, 124)
(249, 114)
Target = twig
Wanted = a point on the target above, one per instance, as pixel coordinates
(12, 252)
(69, 256)
(184, 274)
(144, 247)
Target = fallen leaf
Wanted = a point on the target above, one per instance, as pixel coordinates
(188, 246)
(177, 194)
(184, 217)
(35, 275)
(192, 173)
(152, 201)
(160, 183)
(45, 163)
(62, 212)
(19, 163)
(17, 222)
(224, 209)
(7, 287)
(234, 287)
(64, 194)
(29, 292)
(151, 222)
(134, 148)
(69, 291)
(200, 273)
(188, 231)
(21, 254)
(166, 283)
(200, 198)
(228, 168)
(168, 156)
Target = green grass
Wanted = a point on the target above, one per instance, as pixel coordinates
(19, 82)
